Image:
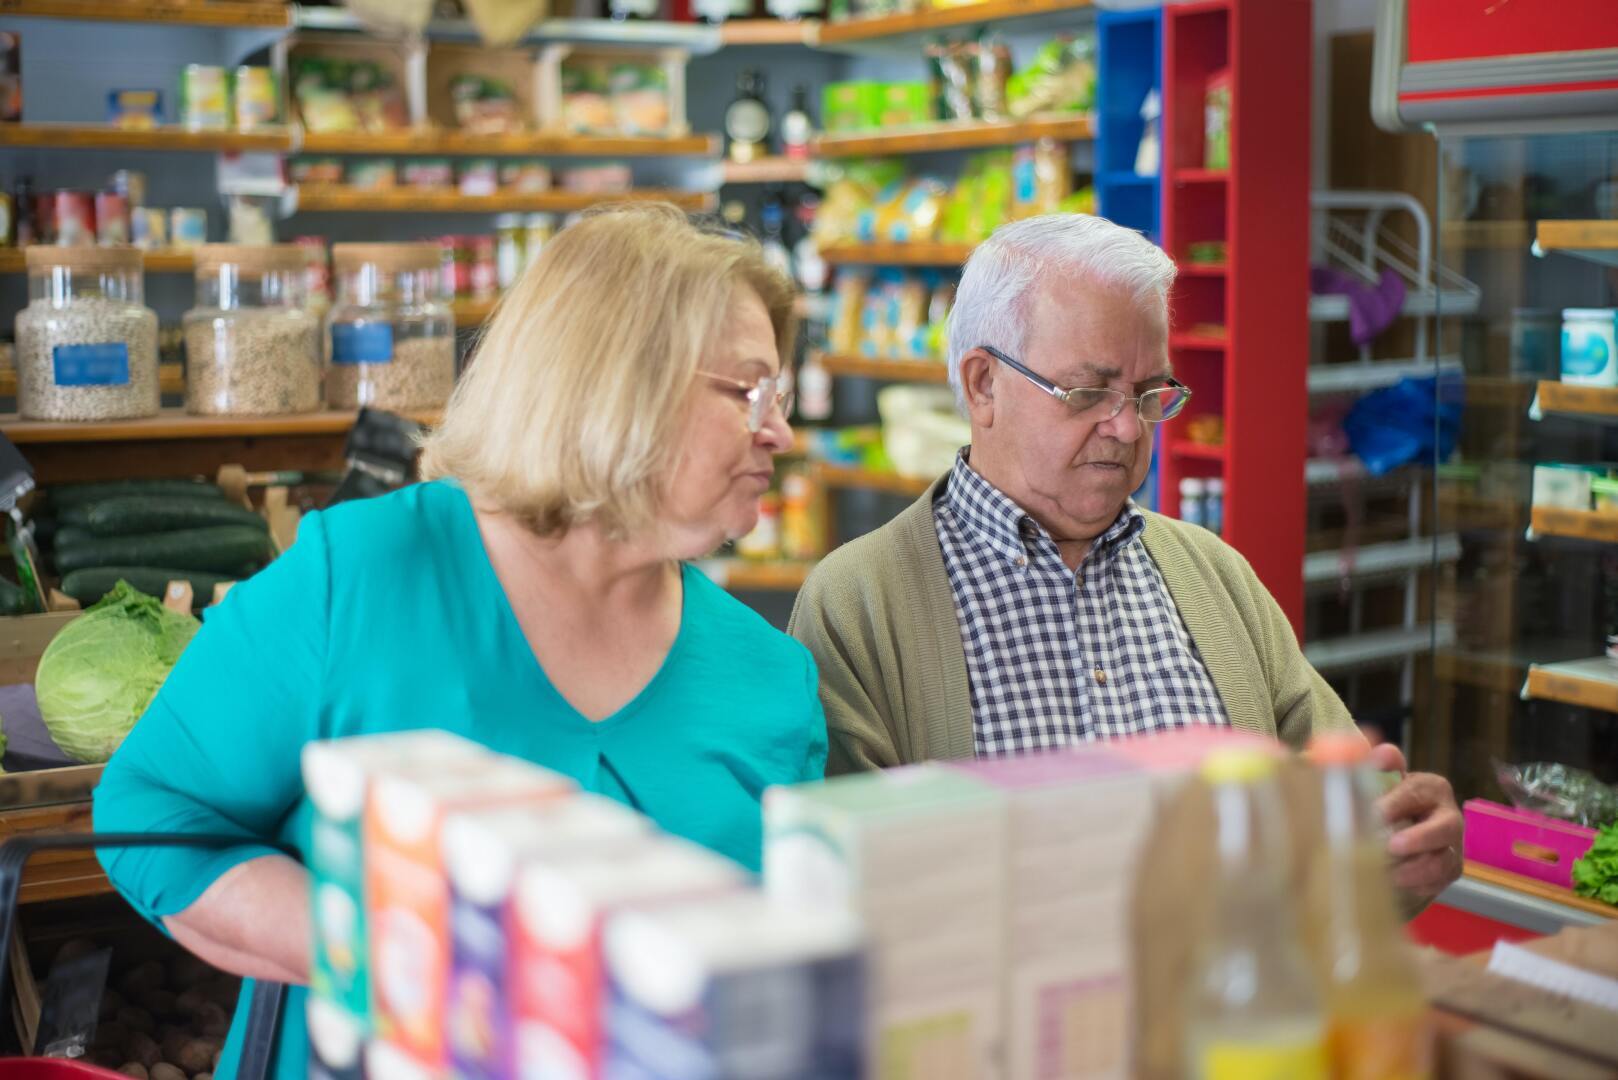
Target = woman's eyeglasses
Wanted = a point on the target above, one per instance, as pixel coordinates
(772, 391)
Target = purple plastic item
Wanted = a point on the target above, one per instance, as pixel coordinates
(1524, 842)
(1371, 308)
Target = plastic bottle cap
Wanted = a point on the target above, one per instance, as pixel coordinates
(1339, 748)
(1216, 486)
(1190, 487)
(1237, 766)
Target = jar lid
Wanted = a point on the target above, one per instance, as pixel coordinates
(86, 257)
(252, 256)
(388, 256)
(1580, 314)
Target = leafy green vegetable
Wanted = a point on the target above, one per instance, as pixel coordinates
(1596, 874)
(101, 671)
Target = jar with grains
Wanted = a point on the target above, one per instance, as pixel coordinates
(392, 338)
(252, 347)
(86, 342)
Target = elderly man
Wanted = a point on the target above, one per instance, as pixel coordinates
(1024, 602)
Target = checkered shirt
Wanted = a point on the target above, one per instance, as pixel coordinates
(1056, 658)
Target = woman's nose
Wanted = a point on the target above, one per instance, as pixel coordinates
(776, 434)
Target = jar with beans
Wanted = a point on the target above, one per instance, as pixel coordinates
(86, 342)
(252, 346)
(391, 343)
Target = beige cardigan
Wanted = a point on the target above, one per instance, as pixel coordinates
(879, 616)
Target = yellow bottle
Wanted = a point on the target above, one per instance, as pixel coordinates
(1376, 1014)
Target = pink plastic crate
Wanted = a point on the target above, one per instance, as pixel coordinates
(1524, 842)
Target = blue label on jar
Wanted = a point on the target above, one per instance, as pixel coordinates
(362, 343)
(91, 365)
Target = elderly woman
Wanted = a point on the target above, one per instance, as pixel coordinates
(621, 416)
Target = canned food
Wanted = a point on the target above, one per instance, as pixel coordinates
(525, 176)
(457, 265)
(480, 177)
(204, 97)
(74, 216)
(131, 185)
(188, 226)
(112, 218)
(485, 274)
(537, 232)
(508, 256)
(148, 227)
(257, 104)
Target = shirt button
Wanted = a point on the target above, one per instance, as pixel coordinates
(1022, 560)
(1101, 677)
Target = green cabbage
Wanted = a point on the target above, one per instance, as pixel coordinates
(101, 671)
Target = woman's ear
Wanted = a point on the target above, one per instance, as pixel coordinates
(977, 387)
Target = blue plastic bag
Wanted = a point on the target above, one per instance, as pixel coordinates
(1412, 421)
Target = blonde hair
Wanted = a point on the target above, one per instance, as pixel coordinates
(571, 406)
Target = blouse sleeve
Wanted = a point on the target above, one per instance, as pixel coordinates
(218, 750)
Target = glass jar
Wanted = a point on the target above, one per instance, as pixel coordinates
(86, 342)
(392, 338)
(252, 346)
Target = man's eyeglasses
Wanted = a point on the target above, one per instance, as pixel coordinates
(1102, 402)
(772, 391)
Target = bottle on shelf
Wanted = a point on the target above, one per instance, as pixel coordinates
(748, 120)
(772, 222)
(634, 10)
(1213, 505)
(28, 231)
(794, 10)
(714, 12)
(796, 127)
(1253, 1009)
(1375, 1012)
(1193, 510)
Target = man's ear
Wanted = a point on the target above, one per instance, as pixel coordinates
(977, 387)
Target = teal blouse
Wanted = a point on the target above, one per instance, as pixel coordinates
(387, 616)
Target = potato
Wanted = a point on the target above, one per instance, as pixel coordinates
(210, 1019)
(159, 1003)
(111, 1033)
(174, 1040)
(196, 1055)
(134, 1069)
(144, 1049)
(111, 1002)
(217, 1056)
(165, 1071)
(136, 1019)
(189, 1001)
(141, 979)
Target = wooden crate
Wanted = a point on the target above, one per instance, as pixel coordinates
(515, 67)
(553, 58)
(405, 62)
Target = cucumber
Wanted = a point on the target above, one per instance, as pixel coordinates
(13, 600)
(74, 494)
(88, 586)
(217, 548)
(72, 534)
(133, 514)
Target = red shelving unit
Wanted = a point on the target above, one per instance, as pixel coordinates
(1253, 375)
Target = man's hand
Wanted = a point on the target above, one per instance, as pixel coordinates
(1426, 846)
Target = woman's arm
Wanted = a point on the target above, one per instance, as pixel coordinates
(253, 921)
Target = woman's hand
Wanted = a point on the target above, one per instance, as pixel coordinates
(253, 921)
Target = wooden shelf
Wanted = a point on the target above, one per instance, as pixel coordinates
(897, 254)
(1596, 241)
(56, 875)
(1498, 391)
(954, 137)
(1470, 235)
(1593, 401)
(228, 13)
(107, 137)
(1200, 451)
(922, 22)
(554, 144)
(769, 32)
(161, 261)
(338, 198)
(1201, 176)
(1205, 342)
(472, 312)
(857, 479)
(170, 377)
(774, 170)
(1597, 525)
(1544, 890)
(865, 367)
(746, 575)
(175, 424)
(1590, 684)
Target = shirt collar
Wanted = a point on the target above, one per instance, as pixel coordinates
(990, 516)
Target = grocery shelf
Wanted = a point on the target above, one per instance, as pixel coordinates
(769, 32)
(691, 36)
(857, 479)
(940, 18)
(1321, 471)
(175, 424)
(1519, 885)
(1359, 376)
(160, 261)
(1499, 391)
(170, 377)
(865, 367)
(897, 254)
(1201, 176)
(1205, 342)
(772, 170)
(1395, 558)
(237, 14)
(746, 575)
(1592, 402)
(1597, 525)
(1596, 241)
(1474, 512)
(1185, 448)
(107, 137)
(1209, 270)
(1370, 648)
(341, 198)
(538, 143)
(1483, 235)
(1591, 683)
(954, 136)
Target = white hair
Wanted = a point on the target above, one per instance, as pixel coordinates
(993, 302)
